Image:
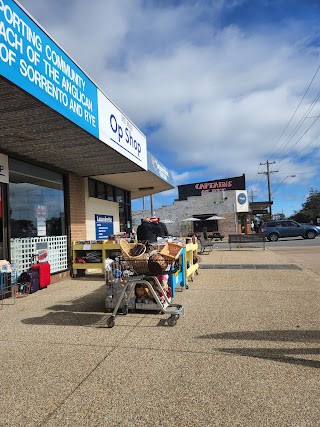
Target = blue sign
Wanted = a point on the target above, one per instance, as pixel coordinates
(31, 60)
(242, 198)
(104, 226)
(158, 169)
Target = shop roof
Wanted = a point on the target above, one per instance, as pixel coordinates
(32, 131)
(260, 205)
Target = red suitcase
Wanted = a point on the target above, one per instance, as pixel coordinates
(43, 268)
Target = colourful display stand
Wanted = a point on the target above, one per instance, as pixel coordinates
(187, 268)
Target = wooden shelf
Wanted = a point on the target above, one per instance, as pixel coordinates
(87, 266)
(80, 249)
(192, 269)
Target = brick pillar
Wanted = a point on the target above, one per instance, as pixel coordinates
(77, 207)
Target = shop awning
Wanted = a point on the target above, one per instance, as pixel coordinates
(32, 131)
(259, 207)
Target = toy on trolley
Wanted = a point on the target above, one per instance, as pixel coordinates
(139, 282)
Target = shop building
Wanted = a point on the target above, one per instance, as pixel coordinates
(70, 160)
(226, 198)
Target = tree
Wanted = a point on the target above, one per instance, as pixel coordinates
(310, 209)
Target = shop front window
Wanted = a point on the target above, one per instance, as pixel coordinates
(119, 195)
(36, 201)
(101, 191)
(111, 193)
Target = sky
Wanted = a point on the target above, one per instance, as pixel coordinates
(219, 87)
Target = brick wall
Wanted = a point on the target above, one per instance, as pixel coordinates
(77, 207)
(215, 203)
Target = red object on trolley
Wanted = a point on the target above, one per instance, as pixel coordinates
(43, 268)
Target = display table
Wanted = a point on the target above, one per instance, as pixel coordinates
(187, 268)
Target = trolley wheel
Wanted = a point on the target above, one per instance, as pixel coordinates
(172, 321)
(176, 316)
(187, 286)
(111, 322)
(125, 310)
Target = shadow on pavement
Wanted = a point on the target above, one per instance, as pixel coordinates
(82, 311)
(284, 355)
(297, 335)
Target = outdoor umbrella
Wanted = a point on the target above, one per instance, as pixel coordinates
(214, 217)
(191, 219)
(167, 221)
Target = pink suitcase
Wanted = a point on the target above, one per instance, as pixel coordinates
(43, 268)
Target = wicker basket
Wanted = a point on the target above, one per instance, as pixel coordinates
(127, 247)
(171, 250)
(139, 266)
(143, 266)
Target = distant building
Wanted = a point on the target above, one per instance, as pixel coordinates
(226, 198)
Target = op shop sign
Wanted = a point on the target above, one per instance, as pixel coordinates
(117, 131)
(32, 61)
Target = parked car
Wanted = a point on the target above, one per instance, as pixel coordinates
(273, 230)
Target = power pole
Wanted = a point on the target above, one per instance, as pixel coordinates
(268, 172)
(252, 195)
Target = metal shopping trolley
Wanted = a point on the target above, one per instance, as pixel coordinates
(124, 276)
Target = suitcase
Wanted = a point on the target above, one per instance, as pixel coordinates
(43, 268)
(32, 277)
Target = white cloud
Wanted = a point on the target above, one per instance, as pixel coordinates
(220, 97)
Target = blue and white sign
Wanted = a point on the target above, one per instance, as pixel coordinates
(242, 201)
(31, 60)
(242, 198)
(159, 169)
(104, 226)
(117, 131)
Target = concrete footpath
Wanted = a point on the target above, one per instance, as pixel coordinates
(246, 353)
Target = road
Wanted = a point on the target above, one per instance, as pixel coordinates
(297, 242)
(303, 252)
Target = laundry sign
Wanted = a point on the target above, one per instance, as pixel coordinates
(104, 226)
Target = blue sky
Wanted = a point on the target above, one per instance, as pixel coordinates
(218, 86)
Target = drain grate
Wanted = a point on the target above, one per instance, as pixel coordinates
(250, 266)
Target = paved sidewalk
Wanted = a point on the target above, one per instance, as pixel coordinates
(246, 353)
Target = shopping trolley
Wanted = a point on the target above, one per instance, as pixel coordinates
(122, 278)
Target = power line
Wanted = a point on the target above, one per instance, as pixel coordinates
(301, 151)
(288, 176)
(304, 95)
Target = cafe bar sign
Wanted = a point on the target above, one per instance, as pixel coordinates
(198, 188)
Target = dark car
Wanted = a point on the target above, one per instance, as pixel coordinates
(273, 230)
